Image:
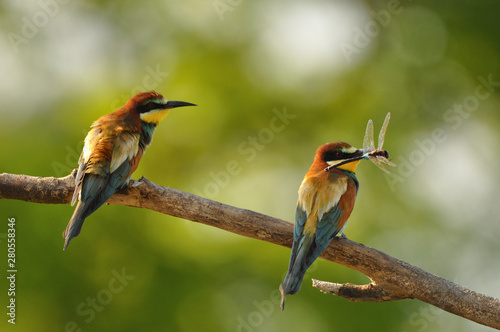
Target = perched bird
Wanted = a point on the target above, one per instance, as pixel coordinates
(112, 151)
(326, 200)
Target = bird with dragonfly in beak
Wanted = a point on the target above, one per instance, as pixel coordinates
(326, 200)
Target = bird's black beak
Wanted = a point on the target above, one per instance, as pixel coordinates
(356, 155)
(173, 104)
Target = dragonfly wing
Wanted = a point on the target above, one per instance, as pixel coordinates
(377, 162)
(386, 161)
(381, 135)
(368, 143)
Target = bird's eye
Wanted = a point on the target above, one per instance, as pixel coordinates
(332, 155)
(151, 105)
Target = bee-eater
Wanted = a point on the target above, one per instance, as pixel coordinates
(326, 200)
(112, 151)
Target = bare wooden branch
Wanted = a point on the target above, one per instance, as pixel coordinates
(392, 279)
(356, 293)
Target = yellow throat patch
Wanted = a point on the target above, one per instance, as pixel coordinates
(350, 167)
(154, 116)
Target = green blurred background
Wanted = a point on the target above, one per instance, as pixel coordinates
(329, 65)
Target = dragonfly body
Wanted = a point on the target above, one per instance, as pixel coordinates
(379, 153)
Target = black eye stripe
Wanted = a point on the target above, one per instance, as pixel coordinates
(336, 155)
(148, 107)
(333, 155)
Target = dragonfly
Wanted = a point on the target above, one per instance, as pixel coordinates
(377, 156)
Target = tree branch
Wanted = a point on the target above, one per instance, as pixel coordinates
(392, 279)
(356, 293)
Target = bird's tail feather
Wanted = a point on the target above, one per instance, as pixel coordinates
(299, 263)
(291, 285)
(75, 224)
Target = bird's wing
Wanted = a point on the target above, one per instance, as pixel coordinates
(125, 148)
(307, 193)
(315, 197)
(97, 189)
(78, 180)
(307, 247)
(298, 233)
(320, 197)
(107, 161)
(328, 226)
(334, 220)
(300, 220)
(91, 141)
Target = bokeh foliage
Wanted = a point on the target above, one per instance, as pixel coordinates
(243, 63)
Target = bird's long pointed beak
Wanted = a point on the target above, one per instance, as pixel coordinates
(173, 104)
(356, 155)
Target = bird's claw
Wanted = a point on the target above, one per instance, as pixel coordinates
(135, 183)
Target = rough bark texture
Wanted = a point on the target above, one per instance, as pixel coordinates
(392, 279)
